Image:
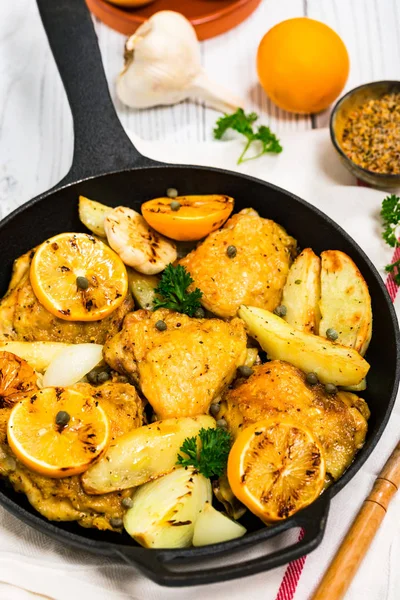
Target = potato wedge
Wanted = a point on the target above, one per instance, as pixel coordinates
(331, 362)
(345, 301)
(142, 288)
(92, 214)
(302, 291)
(165, 511)
(142, 454)
(37, 354)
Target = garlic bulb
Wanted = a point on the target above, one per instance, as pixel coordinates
(163, 66)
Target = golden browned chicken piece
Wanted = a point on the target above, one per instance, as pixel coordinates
(64, 499)
(182, 369)
(23, 318)
(245, 262)
(279, 389)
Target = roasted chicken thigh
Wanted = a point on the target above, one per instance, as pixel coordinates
(245, 262)
(277, 388)
(183, 368)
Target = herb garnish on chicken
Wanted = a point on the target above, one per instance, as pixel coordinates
(212, 455)
(172, 291)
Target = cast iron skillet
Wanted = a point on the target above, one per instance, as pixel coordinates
(106, 167)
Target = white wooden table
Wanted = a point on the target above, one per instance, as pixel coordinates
(36, 126)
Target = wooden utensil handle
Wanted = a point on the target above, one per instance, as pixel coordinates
(358, 539)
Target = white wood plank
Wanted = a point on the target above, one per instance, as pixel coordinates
(35, 124)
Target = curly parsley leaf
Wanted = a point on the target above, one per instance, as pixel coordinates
(395, 269)
(172, 291)
(207, 452)
(238, 121)
(390, 214)
(243, 124)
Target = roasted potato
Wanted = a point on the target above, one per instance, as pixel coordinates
(37, 354)
(165, 511)
(345, 301)
(302, 291)
(331, 362)
(142, 454)
(142, 288)
(92, 214)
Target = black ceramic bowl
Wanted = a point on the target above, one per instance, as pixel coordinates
(342, 108)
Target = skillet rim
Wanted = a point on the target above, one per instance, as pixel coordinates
(79, 540)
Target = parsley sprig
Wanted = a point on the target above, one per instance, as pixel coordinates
(207, 452)
(243, 124)
(172, 291)
(390, 214)
(395, 269)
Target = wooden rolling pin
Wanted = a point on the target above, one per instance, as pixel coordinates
(355, 545)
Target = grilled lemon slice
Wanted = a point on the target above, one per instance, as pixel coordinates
(78, 277)
(275, 468)
(58, 432)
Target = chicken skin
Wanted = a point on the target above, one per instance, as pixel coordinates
(23, 318)
(64, 499)
(180, 370)
(279, 389)
(255, 275)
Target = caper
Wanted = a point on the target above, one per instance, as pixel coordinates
(175, 205)
(330, 388)
(222, 423)
(199, 313)
(298, 281)
(311, 379)
(127, 502)
(280, 310)
(172, 192)
(231, 251)
(332, 334)
(245, 371)
(103, 376)
(116, 522)
(82, 283)
(161, 325)
(92, 376)
(214, 409)
(62, 418)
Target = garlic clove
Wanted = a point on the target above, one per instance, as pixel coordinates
(163, 67)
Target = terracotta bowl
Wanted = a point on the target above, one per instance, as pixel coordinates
(208, 17)
(342, 108)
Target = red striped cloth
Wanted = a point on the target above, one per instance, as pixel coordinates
(293, 571)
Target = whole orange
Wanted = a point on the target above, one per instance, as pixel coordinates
(302, 65)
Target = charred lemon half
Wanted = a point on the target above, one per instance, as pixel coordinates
(276, 468)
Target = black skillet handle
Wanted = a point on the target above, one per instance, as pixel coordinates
(101, 144)
(154, 563)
